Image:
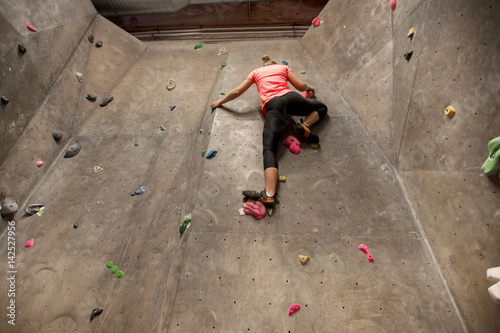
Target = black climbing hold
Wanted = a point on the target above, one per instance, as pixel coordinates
(98, 44)
(73, 149)
(21, 48)
(5, 101)
(75, 225)
(9, 207)
(408, 55)
(33, 209)
(96, 312)
(91, 97)
(106, 101)
(57, 135)
(91, 38)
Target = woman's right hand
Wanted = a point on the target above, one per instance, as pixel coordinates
(309, 88)
(216, 104)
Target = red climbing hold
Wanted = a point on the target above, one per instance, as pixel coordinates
(30, 242)
(293, 144)
(293, 308)
(393, 4)
(364, 248)
(308, 94)
(30, 27)
(255, 208)
(316, 22)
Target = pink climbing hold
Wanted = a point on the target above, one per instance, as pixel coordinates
(39, 163)
(255, 208)
(293, 308)
(308, 94)
(364, 248)
(393, 4)
(31, 27)
(30, 242)
(293, 144)
(316, 22)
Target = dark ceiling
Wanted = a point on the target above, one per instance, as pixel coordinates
(260, 13)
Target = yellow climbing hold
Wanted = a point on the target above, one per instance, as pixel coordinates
(302, 72)
(411, 32)
(303, 259)
(282, 179)
(314, 145)
(449, 111)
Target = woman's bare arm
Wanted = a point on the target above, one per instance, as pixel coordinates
(233, 94)
(298, 83)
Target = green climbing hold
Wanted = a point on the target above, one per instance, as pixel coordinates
(114, 269)
(203, 152)
(186, 222)
(209, 132)
(222, 93)
(199, 46)
(162, 128)
(109, 264)
(119, 274)
(224, 64)
(492, 165)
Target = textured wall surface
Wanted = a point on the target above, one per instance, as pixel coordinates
(455, 62)
(432, 227)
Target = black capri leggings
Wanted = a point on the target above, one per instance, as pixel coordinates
(279, 109)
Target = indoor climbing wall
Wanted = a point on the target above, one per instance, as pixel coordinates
(401, 101)
(392, 176)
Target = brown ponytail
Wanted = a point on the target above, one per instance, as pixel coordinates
(267, 61)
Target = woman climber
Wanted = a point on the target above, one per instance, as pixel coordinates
(279, 103)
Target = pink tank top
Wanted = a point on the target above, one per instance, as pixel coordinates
(271, 81)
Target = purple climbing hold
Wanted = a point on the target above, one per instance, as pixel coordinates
(5, 101)
(96, 312)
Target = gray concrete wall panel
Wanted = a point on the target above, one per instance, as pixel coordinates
(448, 73)
(341, 52)
(459, 213)
(369, 93)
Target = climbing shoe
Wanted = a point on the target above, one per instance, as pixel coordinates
(305, 131)
(262, 197)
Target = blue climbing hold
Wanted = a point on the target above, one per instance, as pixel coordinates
(136, 144)
(140, 191)
(172, 107)
(212, 111)
(284, 63)
(211, 154)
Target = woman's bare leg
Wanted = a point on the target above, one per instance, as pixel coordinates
(271, 178)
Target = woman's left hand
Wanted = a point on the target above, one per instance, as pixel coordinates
(216, 104)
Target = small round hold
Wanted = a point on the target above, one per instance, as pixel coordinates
(98, 44)
(75, 225)
(109, 264)
(57, 135)
(114, 269)
(91, 38)
(9, 207)
(21, 48)
(73, 149)
(91, 97)
(5, 101)
(119, 274)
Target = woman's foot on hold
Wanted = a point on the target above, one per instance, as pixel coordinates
(305, 131)
(261, 196)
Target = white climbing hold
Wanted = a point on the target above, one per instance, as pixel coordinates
(97, 169)
(79, 76)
